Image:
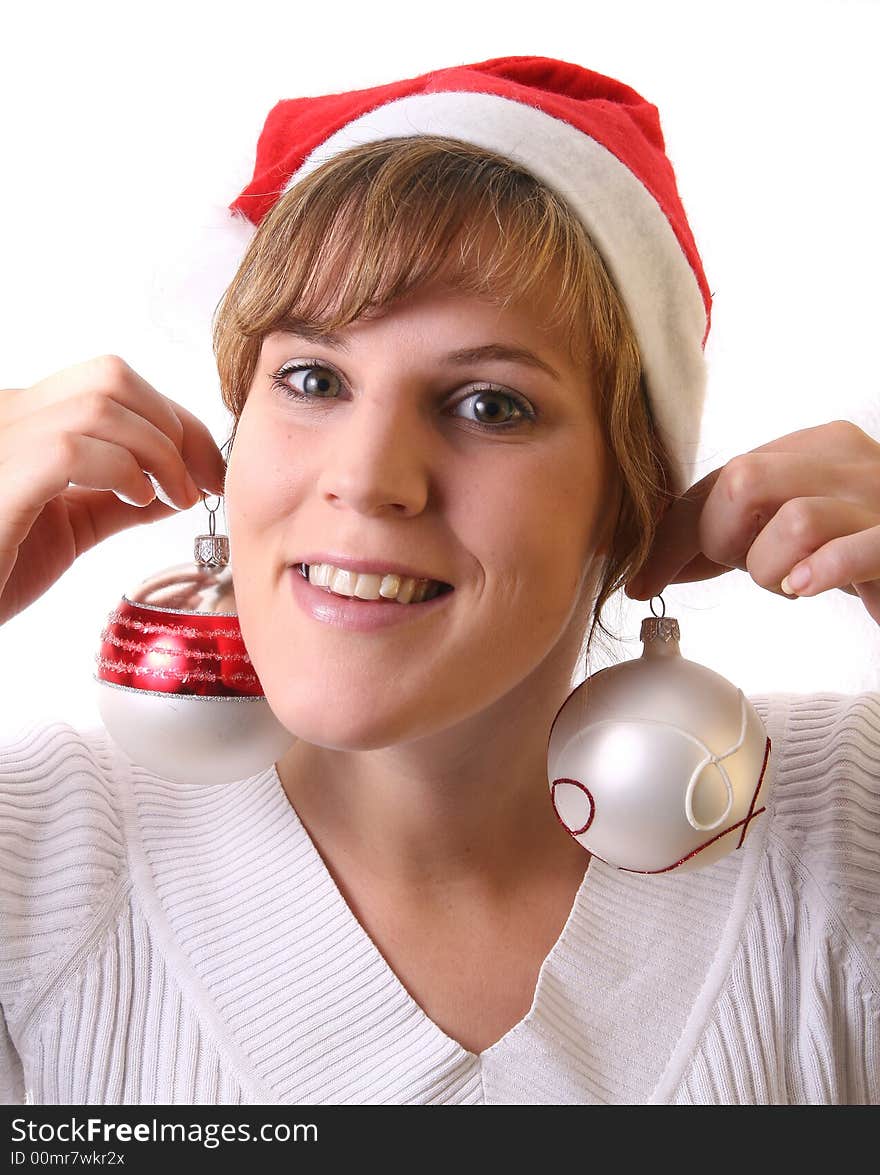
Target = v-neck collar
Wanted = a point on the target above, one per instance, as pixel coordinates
(307, 1010)
(360, 932)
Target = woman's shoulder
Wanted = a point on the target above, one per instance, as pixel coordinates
(52, 771)
(62, 844)
(827, 763)
(825, 806)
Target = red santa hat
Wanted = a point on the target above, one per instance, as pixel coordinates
(592, 140)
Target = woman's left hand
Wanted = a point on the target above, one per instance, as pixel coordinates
(809, 501)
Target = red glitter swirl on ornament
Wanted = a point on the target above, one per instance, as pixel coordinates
(144, 647)
(575, 783)
(179, 653)
(750, 815)
(125, 614)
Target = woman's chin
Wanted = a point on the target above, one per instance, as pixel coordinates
(348, 728)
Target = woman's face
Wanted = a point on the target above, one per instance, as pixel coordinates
(484, 471)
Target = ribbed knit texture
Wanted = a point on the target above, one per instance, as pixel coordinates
(166, 944)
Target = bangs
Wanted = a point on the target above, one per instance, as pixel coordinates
(378, 222)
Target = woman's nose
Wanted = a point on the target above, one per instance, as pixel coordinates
(376, 460)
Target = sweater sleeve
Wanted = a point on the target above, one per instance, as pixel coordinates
(61, 848)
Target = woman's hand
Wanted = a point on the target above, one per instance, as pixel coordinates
(807, 502)
(68, 446)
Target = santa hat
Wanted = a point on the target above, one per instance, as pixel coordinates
(592, 140)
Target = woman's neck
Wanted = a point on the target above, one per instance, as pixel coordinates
(468, 807)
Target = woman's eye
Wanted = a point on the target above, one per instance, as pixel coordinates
(316, 381)
(492, 408)
(489, 407)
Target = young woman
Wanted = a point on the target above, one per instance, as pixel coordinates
(441, 387)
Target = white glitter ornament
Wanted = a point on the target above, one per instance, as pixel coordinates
(658, 763)
(176, 688)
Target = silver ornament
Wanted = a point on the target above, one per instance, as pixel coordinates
(658, 763)
(175, 686)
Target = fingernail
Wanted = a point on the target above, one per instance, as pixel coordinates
(161, 495)
(130, 501)
(796, 580)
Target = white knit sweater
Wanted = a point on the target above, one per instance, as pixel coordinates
(186, 944)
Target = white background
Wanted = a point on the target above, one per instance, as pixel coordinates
(128, 130)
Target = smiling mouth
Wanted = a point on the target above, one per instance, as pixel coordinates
(371, 589)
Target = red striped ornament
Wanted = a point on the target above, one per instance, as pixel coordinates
(176, 688)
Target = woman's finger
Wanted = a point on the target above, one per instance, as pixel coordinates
(721, 516)
(852, 558)
(751, 490)
(106, 419)
(800, 528)
(201, 454)
(109, 376)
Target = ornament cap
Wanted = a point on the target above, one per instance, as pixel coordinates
(211, 550)
(660, 635)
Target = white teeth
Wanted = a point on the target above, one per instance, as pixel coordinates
(389, 586)
(343, 582)
(406, 591)
(367, 587)
(371, 586)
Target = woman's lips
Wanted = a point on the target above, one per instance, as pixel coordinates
(353, 614)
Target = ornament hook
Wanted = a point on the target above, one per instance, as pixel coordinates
(659, 597)
(212, 510)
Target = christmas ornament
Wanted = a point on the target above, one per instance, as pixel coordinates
(176, 688)
(657, 763)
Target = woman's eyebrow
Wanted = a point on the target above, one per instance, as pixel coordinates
(500, 352)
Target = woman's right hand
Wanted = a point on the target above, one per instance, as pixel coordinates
(68, 446)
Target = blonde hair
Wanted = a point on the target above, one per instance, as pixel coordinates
(378, 221)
